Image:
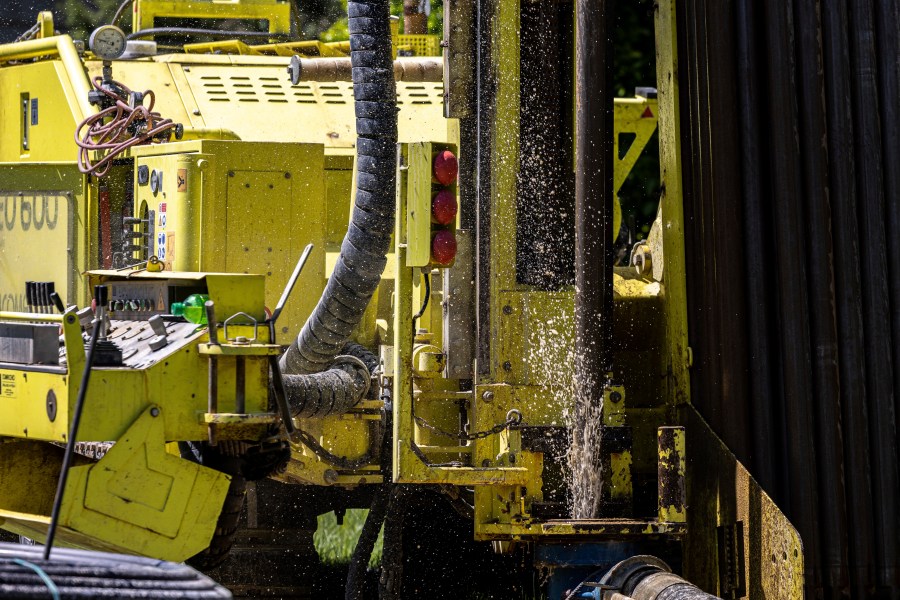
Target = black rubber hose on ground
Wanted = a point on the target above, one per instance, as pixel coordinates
(85, 574)
(358, 270)
(390, 584)
(359, 562)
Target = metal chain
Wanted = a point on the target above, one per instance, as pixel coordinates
(513, 418)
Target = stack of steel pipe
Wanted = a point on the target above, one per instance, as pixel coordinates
(791, 145)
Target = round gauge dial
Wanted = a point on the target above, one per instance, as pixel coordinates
(108, 42)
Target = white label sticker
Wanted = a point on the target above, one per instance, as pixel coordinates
(8, 385)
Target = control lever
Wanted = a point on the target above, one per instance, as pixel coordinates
(277, 381)
(159, 328)
(287, 291)
(58, 302)
(108, 354)
(49, 291)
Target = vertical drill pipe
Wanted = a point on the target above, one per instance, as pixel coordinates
(823, 324)
(593, 199)
(875, 303)
(791, 278)
(670, 474)
(73, 436)
(854, 416)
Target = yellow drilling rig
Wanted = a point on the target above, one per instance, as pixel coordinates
(330, 270)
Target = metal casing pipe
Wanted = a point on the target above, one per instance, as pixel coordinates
(593, 198)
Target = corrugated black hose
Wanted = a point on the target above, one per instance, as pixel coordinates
(363, 252)
(315, 383)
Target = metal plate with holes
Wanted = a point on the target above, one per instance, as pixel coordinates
(134, 337)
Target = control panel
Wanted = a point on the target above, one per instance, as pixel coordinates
(140, 300)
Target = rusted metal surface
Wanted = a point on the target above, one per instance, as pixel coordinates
(670, 479)
(720, 491)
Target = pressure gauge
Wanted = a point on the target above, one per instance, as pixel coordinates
(108, 42)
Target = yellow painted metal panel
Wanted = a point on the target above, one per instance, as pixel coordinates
(276, 12)
(677, 364)
(418, 205)
(143, 499)
(137, 499)
(218, 223)
(42, 238)
(35, 104)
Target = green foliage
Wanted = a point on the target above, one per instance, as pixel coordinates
(79, 19)
(338, 30)
(335, 543)
(635, 66)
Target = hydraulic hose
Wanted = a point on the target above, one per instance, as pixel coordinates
(646, 577)
(363, 252)
(330, 392)
(25, 573)
(355, 586)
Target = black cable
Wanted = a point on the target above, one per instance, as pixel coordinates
(356, 576)
(120, 11)
(425, 303)
(390, 584)
(73, 434)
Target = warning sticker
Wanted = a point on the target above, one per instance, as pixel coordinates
(170, 251)
(161, 216)
(8, 387)
(181, 180)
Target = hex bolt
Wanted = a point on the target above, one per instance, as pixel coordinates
(507, 366)
(488, 396)
(330, 476)
(507, 310)
(615, 397)
(154, 412)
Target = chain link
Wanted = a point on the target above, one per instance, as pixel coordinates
(513, 418)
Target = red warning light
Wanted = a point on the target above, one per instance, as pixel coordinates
(443, 247)
(444, 207)
(445, 167)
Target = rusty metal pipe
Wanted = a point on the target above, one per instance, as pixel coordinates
(412, 70)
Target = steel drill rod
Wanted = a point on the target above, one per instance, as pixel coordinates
(593, 199)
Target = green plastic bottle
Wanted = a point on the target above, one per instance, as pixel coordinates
(193, 308)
